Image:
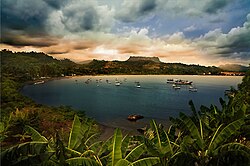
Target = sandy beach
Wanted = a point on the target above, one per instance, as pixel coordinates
(108, 131)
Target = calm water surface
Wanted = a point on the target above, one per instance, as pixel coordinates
(110, 104)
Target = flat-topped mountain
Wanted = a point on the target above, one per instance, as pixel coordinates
(139, 58)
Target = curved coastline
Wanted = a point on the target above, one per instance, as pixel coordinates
(106, 130)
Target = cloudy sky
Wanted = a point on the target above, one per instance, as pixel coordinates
(206, 32)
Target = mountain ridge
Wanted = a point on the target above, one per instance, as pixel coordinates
(32, 65)
(234, 67)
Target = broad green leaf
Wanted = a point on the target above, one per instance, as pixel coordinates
(151, 147)
(146, 161)
(117, 143)
(75, 133)
(225, 133)
(73, 152)
(155, 128)
(35, 135)
(169, 143)
(2, 127)
(236, 147)
(194, 132)
(81, 161)
(201, 129)
(91, 137)
(106, 146)
(171, 133)
(135, 153)
(125, 143)
(29, 152)
(122, 162)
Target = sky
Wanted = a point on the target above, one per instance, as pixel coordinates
(205, 32)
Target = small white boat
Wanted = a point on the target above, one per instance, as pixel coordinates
(117, 83)
(193, 89)
(177, 87)
(39, 82)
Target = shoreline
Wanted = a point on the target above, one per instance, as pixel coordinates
(107, 131)
(77, 76)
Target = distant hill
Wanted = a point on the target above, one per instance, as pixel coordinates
(148, 65)
(33, 65)
(84, 62)
(138, 58)
(234, 67)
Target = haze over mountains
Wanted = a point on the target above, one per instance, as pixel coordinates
(234, 67)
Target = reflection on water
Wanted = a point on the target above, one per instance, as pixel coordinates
(109, 104)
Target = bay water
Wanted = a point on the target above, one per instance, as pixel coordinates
(108, 104)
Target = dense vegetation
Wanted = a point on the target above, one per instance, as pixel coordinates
(32, 65)
(33, 134)
(148, 67)
(17, 110)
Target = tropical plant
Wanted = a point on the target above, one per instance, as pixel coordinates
(122, 155)
(31, 153)
(202, 146)
(161, 143)
(53, 151)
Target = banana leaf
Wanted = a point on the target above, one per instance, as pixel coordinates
(26, 154)
(117, 143)
(135, 153)
(75, 133)
(149, 161)
(81, 161)
(194, 132)
(35, 135)
(224, 134)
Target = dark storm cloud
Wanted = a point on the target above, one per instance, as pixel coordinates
(24, 23)
(133, 10)
(17, 40)
(89, 20)
(26, 15)
(80, 18)
(147, 6)
(57, 4)
(215, 5)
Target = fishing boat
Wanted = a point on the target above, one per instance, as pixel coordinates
(179, 82)
(183, 82)
(171, 81)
